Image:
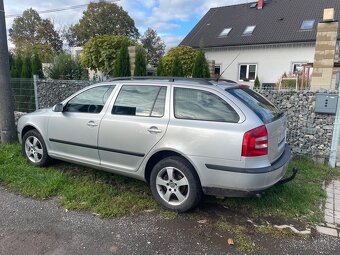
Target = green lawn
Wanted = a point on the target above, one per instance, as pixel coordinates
(111, 195)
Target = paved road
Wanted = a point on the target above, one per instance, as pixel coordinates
(28, 226)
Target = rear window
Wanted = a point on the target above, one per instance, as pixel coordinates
(265, 110)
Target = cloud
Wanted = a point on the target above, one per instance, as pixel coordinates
(172, 18)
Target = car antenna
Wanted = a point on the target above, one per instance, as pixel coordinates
(228, 66)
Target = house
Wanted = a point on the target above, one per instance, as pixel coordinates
(263, 38)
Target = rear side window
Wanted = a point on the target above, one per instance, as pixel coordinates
(265, 110)
(146, 101)
(196, 104)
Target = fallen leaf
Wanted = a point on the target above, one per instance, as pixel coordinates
(230, 241)
(203, 221)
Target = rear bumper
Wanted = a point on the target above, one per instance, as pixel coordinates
(239, 182)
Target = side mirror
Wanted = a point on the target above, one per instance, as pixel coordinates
(58, 107)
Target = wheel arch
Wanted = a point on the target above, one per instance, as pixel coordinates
(159, 155)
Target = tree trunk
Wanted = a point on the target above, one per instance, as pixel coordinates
(7, 125)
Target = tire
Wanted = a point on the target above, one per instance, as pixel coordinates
(182, 191)
(34, 149)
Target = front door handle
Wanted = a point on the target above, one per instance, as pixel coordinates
(154, 130)
(92, 124)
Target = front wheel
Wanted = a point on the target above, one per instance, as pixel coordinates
(175, 184)
(34, 148)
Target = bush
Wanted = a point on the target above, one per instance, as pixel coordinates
(65, 68)
(160, 68)
(185, 54)
(176, 68)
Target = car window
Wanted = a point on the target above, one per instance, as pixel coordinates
(265, 110)
(147, 101)
(202, 105)
(89, 101)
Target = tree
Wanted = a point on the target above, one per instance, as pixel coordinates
(30, 33)
(140, 62)
(65, 68)
(101, 18)
(26, 71)
(100, 52)
(37, 66)
(177, 68)
(7, 126)
(154, 46)
(201, 68)
(160, 68)
(186, 55)
(18, 66)
(257, 83)
(122, 63)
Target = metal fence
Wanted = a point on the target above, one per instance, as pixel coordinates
(23, 94)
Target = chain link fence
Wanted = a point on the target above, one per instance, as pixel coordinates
(23, 94)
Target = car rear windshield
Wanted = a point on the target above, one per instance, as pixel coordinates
(265, 110)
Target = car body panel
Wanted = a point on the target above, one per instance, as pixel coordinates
(124, 144)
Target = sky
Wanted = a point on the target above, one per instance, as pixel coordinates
(172, 19)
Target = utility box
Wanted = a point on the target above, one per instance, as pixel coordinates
(326, 103)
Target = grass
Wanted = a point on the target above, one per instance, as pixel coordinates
(79, 188)
(110, 195)
(239, 234)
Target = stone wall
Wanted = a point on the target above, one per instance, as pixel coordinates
(308, 132)
(51, 92)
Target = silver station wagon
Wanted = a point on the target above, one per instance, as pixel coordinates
(184, 137)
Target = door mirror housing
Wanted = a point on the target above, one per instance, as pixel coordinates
(58, 107)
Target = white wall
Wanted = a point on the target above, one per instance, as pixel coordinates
(272, 60)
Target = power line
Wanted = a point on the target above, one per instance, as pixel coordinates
(59, 9)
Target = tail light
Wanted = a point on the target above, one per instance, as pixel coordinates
(255, 142)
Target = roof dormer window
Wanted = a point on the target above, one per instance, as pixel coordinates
(249, 30)
(307, 24)
(225, 32)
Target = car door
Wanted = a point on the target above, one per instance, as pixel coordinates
(73, 133)
(137, 120)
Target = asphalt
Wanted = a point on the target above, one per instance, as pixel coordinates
(29, 226)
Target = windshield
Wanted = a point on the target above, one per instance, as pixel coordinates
(264, 109)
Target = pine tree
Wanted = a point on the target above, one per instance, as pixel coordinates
(18, 65)
(257, 83)
(177, 68)
(140, 63)
(37, 66)
(160, 68)
(25, 86)
(13, 67)
(122, 64)
(201, 68)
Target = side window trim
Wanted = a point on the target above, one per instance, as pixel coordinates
(155, 100)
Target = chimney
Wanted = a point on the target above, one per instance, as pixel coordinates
(260, 4)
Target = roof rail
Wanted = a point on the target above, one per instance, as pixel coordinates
(202, 81)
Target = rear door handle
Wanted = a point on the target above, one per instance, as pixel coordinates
(92, 124)
(154, 129)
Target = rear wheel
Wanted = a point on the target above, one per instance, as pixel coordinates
(175, 184)
(34, 148)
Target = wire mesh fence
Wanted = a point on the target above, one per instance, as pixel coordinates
(23, 94)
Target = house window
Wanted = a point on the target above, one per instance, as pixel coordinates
(307, 24)
(217, 70)
(247, 72)
(249, 30)
(225, 32)
(297, 68)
